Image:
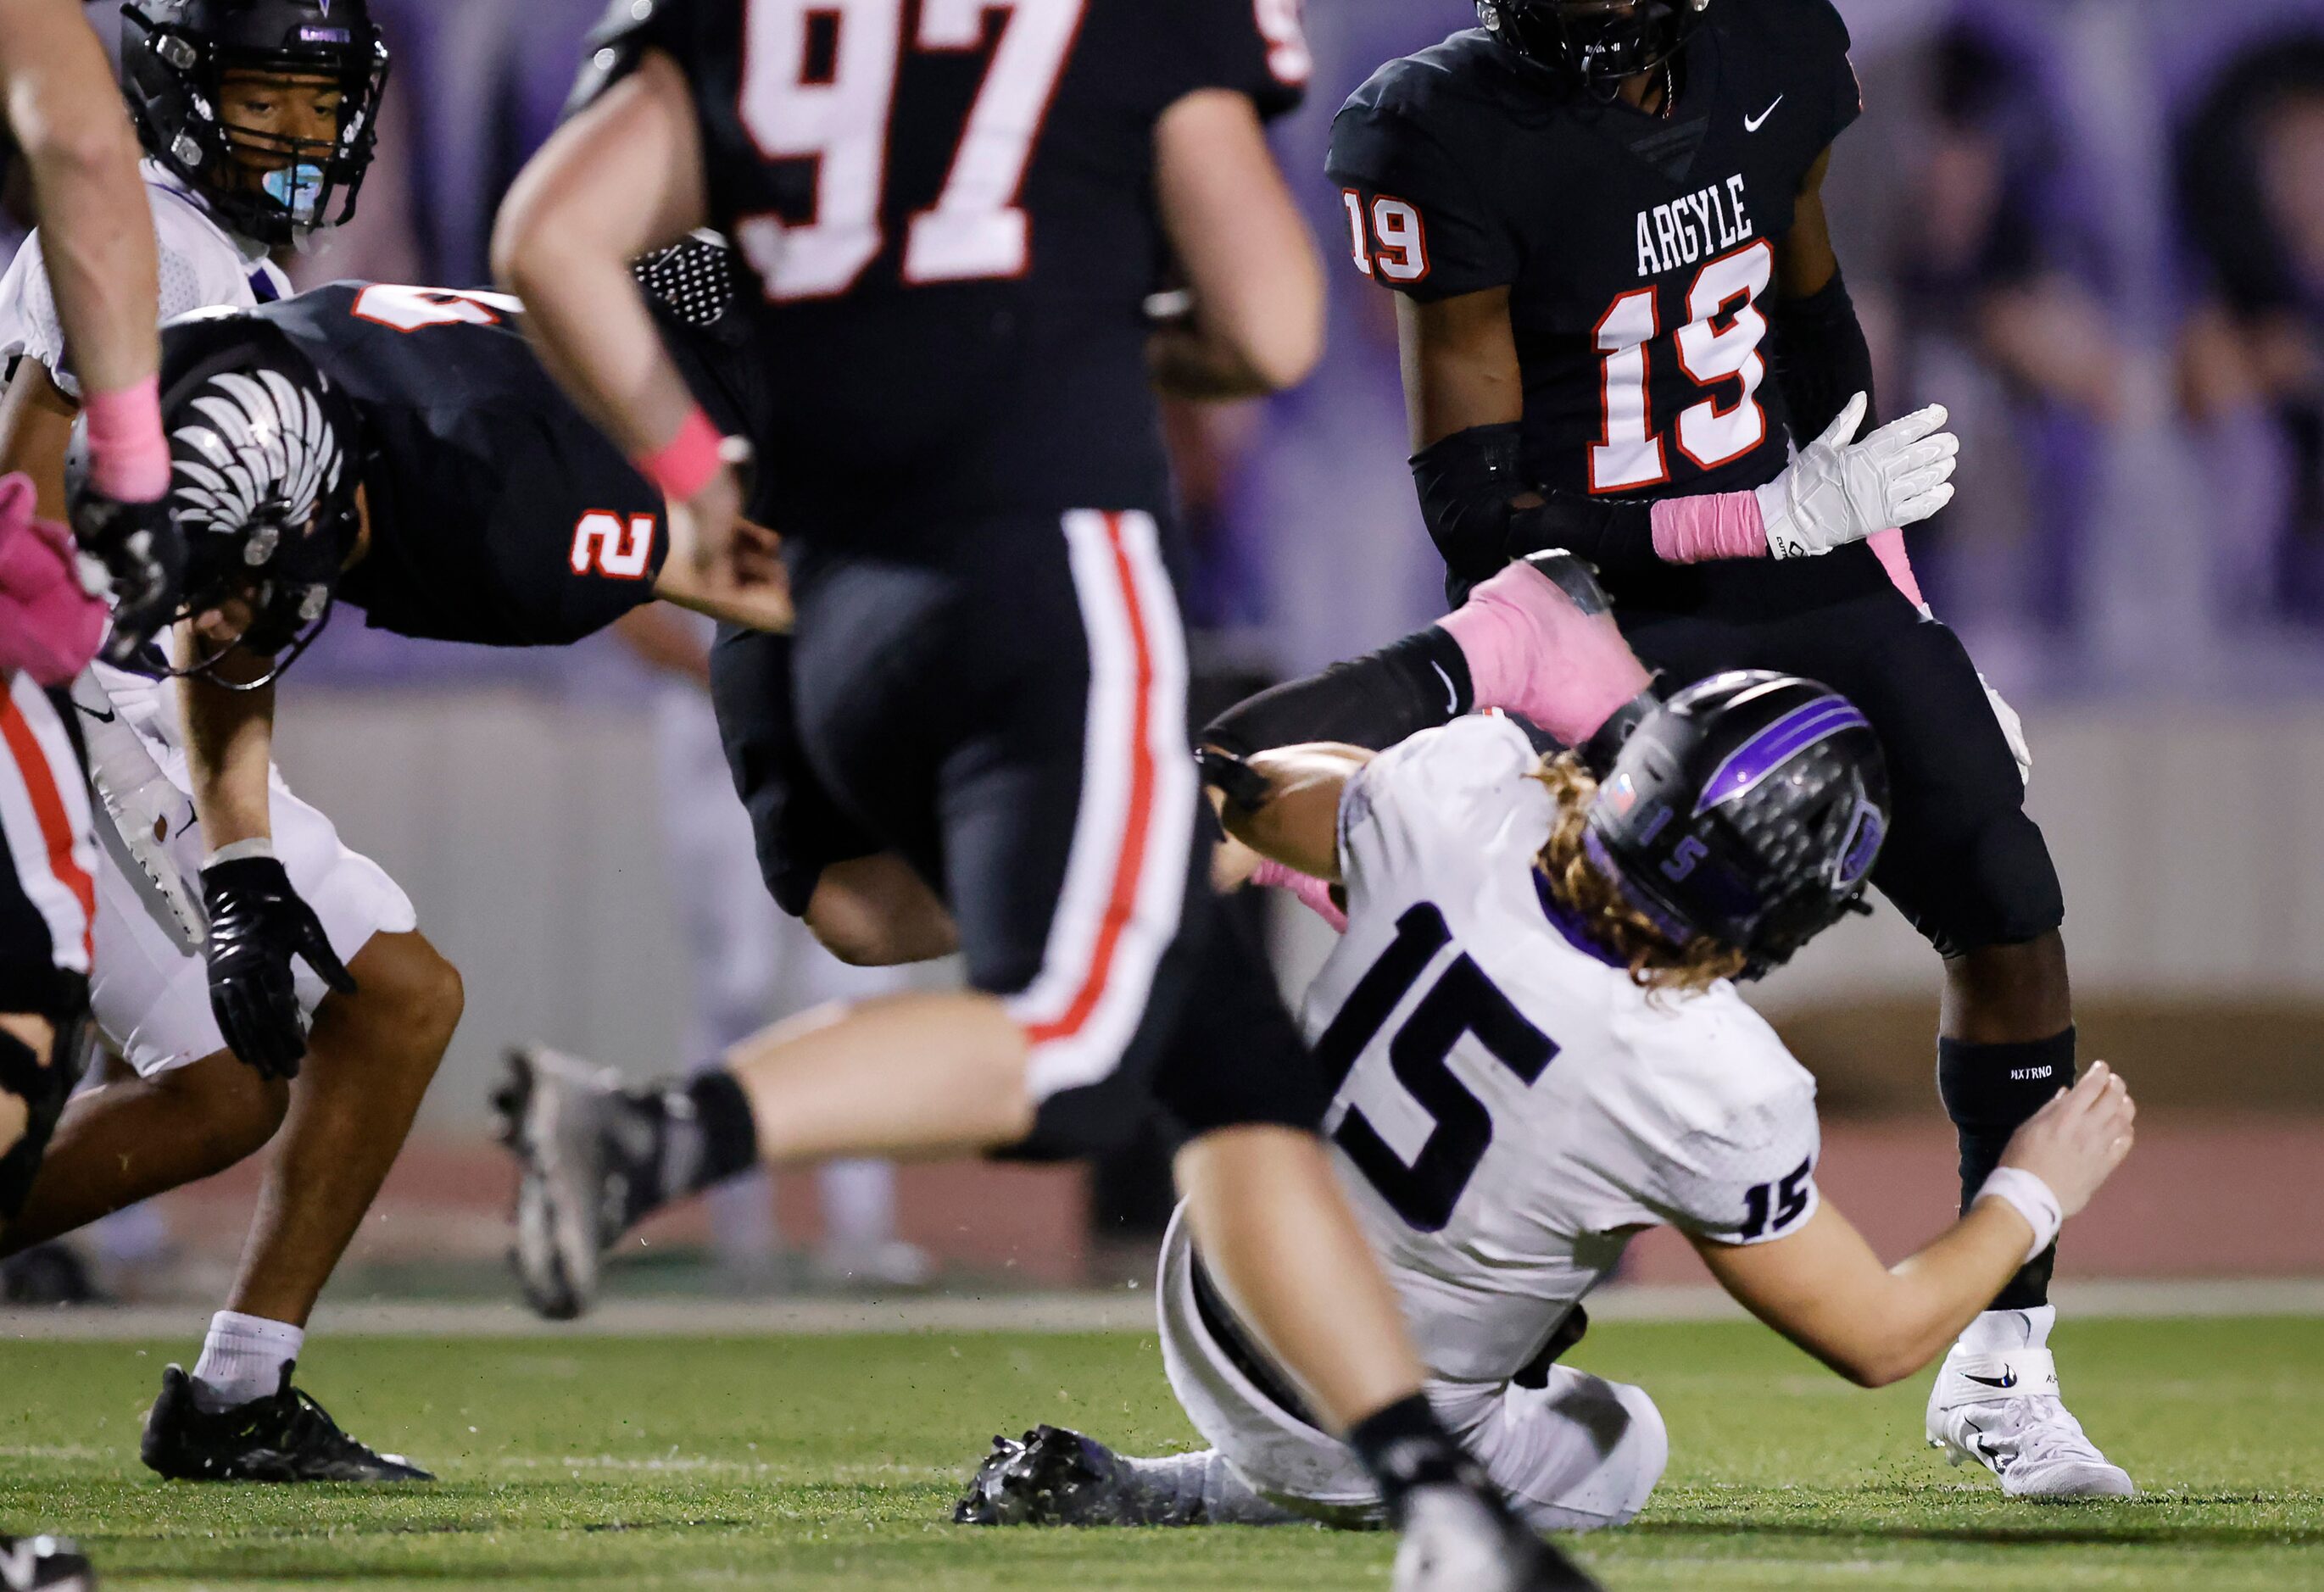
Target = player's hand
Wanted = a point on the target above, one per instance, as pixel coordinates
(2078, 1138)
(257, 925)
(136, 555)
(1839, 490)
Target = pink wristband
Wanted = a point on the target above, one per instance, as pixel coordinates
(1312, 891)
(684, 464)
(128, 455)
(1711, 525)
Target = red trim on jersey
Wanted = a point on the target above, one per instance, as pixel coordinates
(32, 762)
(1130, 861)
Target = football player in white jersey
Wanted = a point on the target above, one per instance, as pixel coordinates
(257, 120)
(1538, 1052)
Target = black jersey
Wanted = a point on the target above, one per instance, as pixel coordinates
(948, 207)
(1636, 251)
(498, 513)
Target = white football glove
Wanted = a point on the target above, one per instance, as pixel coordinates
(1839, 491)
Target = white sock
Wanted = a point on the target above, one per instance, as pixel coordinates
(859, 1204)
(1997, 1332)
(243, 1359)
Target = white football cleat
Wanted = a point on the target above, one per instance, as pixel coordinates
(1995, 1403)
(1458, 1539)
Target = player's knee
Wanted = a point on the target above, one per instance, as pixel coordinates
(876, 912)
(413, 993)
(1994, 885)
(229, 1110)
(1646, 1454)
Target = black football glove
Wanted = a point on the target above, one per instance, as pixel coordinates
(257, 925)
(143, 552)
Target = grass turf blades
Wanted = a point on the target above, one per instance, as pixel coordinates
(829, 1463)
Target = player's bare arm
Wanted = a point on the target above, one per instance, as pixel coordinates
(1823, 1288)
(36, 419)
(1257, 321)
(229, 735)
(1292, 810)
(621, 178)
(96, 234)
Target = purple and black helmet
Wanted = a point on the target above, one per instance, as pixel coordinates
(1749, 807)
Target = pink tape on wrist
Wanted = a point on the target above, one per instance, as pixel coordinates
(1531, 651)
(128, 455)
(1888, 546)
(684, 464)
(1711, 525)
(1312, 891)
(48, 627)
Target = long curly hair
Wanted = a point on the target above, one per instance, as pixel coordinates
(1655, 961)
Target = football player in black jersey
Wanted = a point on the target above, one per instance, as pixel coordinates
(1603, 220)
(399, 449)
(955, 212)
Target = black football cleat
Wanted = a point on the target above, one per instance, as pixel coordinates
(286, 1435)
(43, 1564)
(1052, 1476)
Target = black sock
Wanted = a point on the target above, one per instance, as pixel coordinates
(708, 1135)
(1404, 1446)
(1989, 1091)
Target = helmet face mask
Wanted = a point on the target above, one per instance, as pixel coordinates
(267, 108)
(1749, 808)
(1593, 44)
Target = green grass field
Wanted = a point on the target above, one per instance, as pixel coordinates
(830, 1463)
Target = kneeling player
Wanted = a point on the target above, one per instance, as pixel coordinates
(1538, 1053)
(398, 448)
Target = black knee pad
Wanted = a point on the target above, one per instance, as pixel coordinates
(1994, 884)
(44, 1090)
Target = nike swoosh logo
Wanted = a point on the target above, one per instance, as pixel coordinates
(2008, 1379)
(1753, 124)
(1452, 697)
(105, 717)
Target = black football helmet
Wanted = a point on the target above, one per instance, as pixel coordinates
(1593, 44)
(174, 58)
(1749, 807)
(264, 465)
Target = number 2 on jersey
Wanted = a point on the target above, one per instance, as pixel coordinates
(1462, 1002)
(1631, 456)
(835, 112)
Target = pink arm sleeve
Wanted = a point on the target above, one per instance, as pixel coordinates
(48, 627)
(1313, 891)
(1532, 651)
(1711, 525)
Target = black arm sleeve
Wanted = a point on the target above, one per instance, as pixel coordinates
(1374, 701)
(1469, 485)
(1822, 359)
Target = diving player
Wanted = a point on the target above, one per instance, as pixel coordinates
(1604, 225)
(1538, 1054)
(258, 118)
(956, 213)
(399, 449)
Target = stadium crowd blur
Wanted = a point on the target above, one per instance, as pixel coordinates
(2093, 228)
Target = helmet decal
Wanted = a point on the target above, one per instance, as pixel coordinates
(270, 453)
(1866, 829)
(1786, 738)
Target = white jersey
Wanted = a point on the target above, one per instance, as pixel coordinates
(1510, 1108)
(202, 265)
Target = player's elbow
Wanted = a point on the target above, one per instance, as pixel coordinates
(520, 249)
(85, 145)
(1280, 351)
